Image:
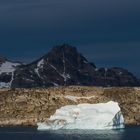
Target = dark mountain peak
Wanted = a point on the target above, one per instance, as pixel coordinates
(65, 55)
(60, 52)
(63, 51)
(65, 48)
(63, 65)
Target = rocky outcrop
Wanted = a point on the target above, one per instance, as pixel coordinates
(29, 106)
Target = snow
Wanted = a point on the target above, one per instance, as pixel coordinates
(106, 69)
(31, 80)
(8, 67)
(85, 61)
(37, 72)
(40, 65)
(12, 78)
(75, 98)
(55, 84)
(120, 73)
(96, 69)
(7, 85)
(4, 85)
(64, 75)
(85, 116)
(53, 67)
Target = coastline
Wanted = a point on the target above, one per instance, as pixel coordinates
(26, 107)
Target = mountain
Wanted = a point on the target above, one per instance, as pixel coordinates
(64, 65)
(115, 76)
(7, 69)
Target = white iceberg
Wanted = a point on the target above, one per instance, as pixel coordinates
(86, 116)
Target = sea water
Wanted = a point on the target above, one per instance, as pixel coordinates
(31, 133)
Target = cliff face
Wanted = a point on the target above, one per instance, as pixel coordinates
(29, 106)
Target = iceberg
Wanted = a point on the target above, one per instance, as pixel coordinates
(85, 116)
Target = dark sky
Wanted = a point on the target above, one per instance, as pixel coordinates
(107, 32)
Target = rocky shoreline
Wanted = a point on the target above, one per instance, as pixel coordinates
(29, 106)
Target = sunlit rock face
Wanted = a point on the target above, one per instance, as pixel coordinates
(86, 116)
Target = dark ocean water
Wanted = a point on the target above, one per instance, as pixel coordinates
(29, 133)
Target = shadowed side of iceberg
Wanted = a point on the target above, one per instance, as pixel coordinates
(85, 116)
(118, 121)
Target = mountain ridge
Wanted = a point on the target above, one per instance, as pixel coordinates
(64, 65)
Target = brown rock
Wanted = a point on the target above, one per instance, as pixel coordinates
(28, 106)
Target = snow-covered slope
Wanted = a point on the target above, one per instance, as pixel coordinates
(86, 116)
(7, 69)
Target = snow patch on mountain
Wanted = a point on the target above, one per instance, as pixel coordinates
(55, 84)
(64, 75)
(4, 85)
(40, 65)
(8, 67)
(86, 116)
(85, 61)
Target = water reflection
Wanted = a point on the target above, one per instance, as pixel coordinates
(87, 134)
(29, 133)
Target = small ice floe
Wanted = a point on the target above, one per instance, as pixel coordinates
(86, 116)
